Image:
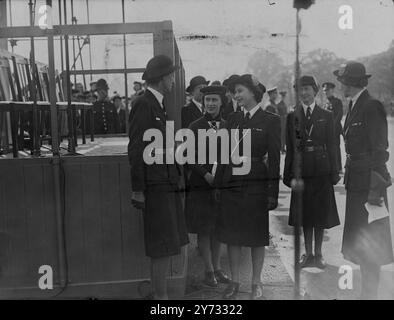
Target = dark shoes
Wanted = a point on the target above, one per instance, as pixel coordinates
(231, 291)
(210, 279)
(319, 262)
(221, 277)
(257, 292)
(307, 261)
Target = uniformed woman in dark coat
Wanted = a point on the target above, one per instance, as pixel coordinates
(202, 208)
(310, 133)
(366, 179)
(246, 199)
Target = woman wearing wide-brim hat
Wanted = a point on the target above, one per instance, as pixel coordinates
(247, 198)
(365, 243)
(202, 213)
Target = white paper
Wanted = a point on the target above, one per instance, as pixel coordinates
(376, 212)
(214, 167)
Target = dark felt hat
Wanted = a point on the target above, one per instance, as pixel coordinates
(352, 73)
(250, 82)
(157, 67)
(213, 89)
(328, 85)
(101, 84)
(196, 81)
(308, 81)
(227, 82)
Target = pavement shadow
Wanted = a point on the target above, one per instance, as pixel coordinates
(325, 284)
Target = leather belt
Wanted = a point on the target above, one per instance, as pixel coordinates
(358, 156)
(314, 148)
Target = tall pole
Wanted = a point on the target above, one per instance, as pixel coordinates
(3, 22)
(61, 37)
(297, 183)
(90, 46)
(73, 21)
(71, 114)
(33, 86)
(125, 71)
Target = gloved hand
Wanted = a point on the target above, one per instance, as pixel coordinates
(335, 178)
(272, 203)
(138, 200)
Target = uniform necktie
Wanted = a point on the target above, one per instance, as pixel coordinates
(247, 116)
(308, 113)
(350, 106)
(164, 107)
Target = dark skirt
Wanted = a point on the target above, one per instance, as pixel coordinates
(243, 218)
(164, 222)
(202, 211)
(319, 204)
(365, 243)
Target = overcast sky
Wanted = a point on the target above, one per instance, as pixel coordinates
(242, 27)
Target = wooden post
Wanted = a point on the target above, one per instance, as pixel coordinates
(3, 45)
(163, 43)
(3, 22)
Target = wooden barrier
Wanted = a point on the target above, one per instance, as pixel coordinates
(103, 232)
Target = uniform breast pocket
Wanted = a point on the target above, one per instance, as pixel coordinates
(159, 123)
(356, 129)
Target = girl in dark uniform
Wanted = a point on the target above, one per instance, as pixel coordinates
(202, 209)
(246, 199)
(310, 131)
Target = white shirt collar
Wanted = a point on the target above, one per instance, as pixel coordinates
(312, 106)
(253, 111)
(235, 105)
(157, 95)
(198, 104)
(355, 98)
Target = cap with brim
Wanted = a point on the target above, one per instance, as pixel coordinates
(329, 85)
(308, 81)
(196, 81)
(221, 90)
(270, 90)
(157, 67)
(101, 84)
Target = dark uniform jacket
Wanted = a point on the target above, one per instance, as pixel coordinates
(272, 107)
(366, 142)
(105, 118)
(148, 114)
(336, 107)
(243, 218)
(320, 162)
(189, 114)
(315, 141)
(164, 222)
(201, 207)
(228, 109)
